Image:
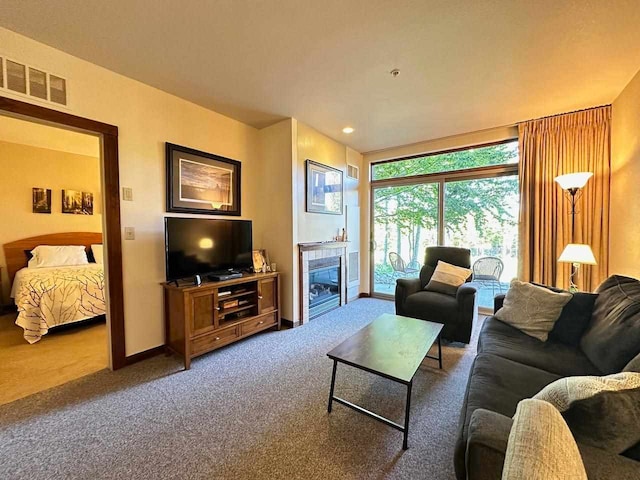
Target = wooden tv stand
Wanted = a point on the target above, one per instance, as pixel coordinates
(199, 319)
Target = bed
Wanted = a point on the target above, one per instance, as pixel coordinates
(53, 296)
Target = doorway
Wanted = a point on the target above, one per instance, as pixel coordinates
(108, 140)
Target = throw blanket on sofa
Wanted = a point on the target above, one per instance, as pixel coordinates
(47, 297)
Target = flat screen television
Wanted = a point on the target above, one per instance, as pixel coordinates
(206, 246)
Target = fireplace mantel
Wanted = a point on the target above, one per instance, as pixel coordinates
(320, 245)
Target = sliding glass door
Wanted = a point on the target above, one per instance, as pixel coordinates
(405, 218)
(482, 215)
(466, 198)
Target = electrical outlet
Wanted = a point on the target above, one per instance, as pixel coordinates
(127, 194)
(129, 233)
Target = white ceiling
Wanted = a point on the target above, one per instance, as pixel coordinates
(465, 65)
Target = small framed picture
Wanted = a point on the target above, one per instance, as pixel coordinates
(200, 182)
(72, 202)
(324, 188)
(87, 203)
(41, 202)
(260, 260)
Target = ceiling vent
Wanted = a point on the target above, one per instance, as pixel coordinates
(22, 79)
(353, 172)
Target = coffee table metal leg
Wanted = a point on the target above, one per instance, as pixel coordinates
(440, 352)
(406, 417)
(333, 383)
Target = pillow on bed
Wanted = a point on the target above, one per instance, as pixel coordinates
(58, 256)
(96, 250)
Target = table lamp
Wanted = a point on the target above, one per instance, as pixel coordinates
(576, 254)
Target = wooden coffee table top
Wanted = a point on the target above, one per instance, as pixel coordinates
(391, 346)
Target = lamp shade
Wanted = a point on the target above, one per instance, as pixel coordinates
(573, 180)
(577, 253)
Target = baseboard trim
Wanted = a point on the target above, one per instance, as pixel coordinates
(145, 354)
(364, 295)
(289, 323)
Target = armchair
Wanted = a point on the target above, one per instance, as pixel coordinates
(455, 312)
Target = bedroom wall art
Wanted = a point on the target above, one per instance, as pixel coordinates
(41, 200)
(77, 202)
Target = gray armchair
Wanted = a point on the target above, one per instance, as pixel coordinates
(455, 312)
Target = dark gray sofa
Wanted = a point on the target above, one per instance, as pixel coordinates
(511, 366)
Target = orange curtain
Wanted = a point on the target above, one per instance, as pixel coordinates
(574, 142)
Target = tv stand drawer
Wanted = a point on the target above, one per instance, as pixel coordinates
(259, 323)
(209, 341)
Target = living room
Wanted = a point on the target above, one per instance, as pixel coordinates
(414, 80)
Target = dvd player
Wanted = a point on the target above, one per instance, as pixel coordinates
(219, 277)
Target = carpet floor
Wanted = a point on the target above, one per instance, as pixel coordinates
(57, 358)
(252, 410)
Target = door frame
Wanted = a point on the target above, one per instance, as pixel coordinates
(111, 207)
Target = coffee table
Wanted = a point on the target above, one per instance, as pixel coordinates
(392, 347)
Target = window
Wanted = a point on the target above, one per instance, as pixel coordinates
(501, 154)
(465, 198)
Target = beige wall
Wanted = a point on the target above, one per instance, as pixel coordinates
(312, 145)
(146, 118)
(624, 243)
(24, 167)
(273, 224)
(313, 227)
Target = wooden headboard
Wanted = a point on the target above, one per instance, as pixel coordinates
(16, 258)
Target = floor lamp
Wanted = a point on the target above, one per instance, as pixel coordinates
(575, 253)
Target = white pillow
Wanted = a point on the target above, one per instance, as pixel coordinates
(57, 256)
(98, 253)
(532, 309)
(447, 278)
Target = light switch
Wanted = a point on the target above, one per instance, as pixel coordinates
(127, 194)
(129, 233)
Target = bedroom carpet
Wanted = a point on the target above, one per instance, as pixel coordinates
(253, 410)
(56, 359)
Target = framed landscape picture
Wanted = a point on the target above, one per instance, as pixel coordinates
(324, 188)
(41, 202)
(200, 182)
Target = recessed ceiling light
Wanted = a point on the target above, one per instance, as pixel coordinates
(347, 129)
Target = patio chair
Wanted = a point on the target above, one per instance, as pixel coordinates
(487, 272)
(400, 268)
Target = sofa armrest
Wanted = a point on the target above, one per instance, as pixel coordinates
(487, 444)
(498, 301)
(404, 288)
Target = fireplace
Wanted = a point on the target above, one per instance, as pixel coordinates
(324, 285)
(322, 277)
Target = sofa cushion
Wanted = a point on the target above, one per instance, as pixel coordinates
(613, 336)
(541, 446)
(532, 309)
(496, 384)
(433, 306)
(503, 340)
(633, 365)
(574, 319)
(603, 412)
